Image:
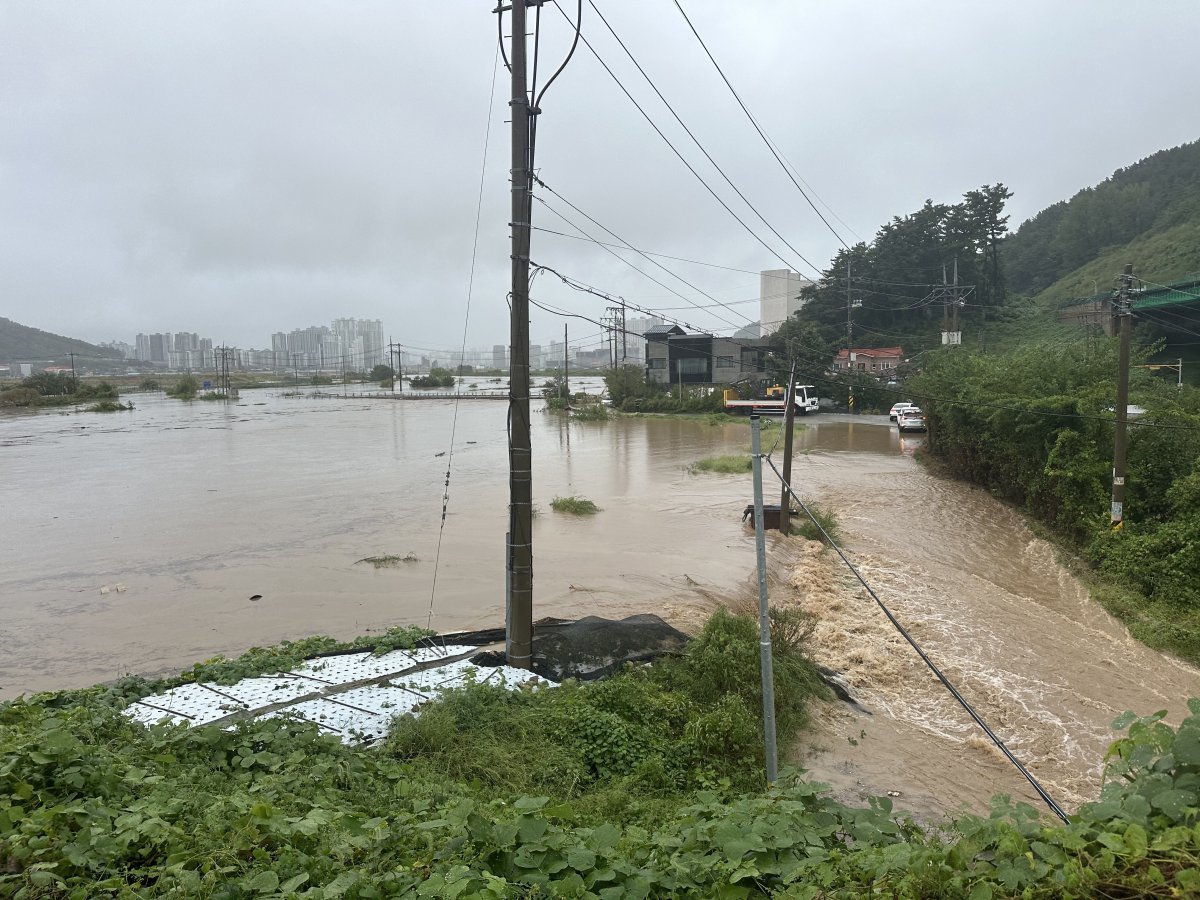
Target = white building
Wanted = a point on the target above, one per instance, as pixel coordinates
(778, 297)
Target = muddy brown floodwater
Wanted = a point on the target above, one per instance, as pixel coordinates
(134, 542)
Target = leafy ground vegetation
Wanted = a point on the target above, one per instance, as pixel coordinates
(644, 785)
(575, 506)
(1035, 427)
(61, 389)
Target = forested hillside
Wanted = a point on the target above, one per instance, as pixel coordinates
(1147, 214)
(1156, 197)
(22, 343)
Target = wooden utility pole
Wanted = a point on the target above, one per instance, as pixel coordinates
(789, 418)
(1123, 311)
(849, 340)
(519, 618)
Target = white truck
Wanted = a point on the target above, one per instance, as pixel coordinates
(775, 402)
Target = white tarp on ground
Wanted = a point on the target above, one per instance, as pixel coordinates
(353, 695)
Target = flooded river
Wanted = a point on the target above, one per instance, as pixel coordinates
(134, 542)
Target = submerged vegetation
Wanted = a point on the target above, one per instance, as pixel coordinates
(389, 561)
(62, 389)
(647, 784)
(736, 464)
(575, 506)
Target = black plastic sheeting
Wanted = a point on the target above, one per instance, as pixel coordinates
(585, 649)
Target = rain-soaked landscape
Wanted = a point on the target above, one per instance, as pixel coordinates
(138, 541)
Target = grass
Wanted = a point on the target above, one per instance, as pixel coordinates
(575, 506)
(724, 465)
(805, 527)
(390, 561)
(105, 406)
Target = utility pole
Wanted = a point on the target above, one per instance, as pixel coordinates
(624, 334)
(566, 368)
(74, 380)
(393, 347)
(789, 419)
(849, 340)
(1123, 311)
(519, 619)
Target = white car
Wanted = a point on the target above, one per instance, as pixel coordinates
(911, 419)
(898, 408)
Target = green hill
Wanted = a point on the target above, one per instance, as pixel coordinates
(20, 343)
(1147, 214)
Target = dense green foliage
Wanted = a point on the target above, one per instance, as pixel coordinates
(1157, 194)
(61, 389)
(731, 464)
(644, 785)
(575, 506)
(382, 373)
(437, 378)
(890, 279)
(1035, 427)
(184, 388)
(629, 383)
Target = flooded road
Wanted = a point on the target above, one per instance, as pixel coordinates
(135, 541)
(1046, 667)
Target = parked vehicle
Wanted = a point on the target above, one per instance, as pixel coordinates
(775, 403)
(911, 419)
(898, 408)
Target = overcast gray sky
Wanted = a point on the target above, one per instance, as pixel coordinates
(239, 168)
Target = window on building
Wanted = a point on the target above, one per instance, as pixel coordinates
(693, 366)
(726, 362)
(658, 363)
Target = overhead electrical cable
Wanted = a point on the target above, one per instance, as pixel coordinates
(695, 262)
(466, 321)
(683, 159)
(946, 683)
(754, 122)
(696, 140)
(648, 259)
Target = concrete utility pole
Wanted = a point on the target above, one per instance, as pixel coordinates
(1122, 309)
(396, 369)
(789, 419)
(849, 339)
(519, 619)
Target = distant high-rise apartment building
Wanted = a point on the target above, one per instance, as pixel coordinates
(160, 348)
(361, 340)
(779, 297)
(499, 356)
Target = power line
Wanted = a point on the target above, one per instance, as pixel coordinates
(696, 140)
(628, 263)
(754, 122)
(1000, 745)
(695, 262)
(683, 159)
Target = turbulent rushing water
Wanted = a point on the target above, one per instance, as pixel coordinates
(135, 541)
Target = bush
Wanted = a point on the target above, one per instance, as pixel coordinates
(724, 465)
(184, 388)
(576, 506)
(19, 396)
(805, 527)
(591, 412)
(437, 378)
